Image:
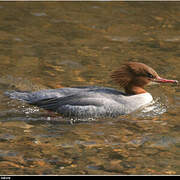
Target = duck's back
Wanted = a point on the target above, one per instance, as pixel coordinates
(84, 102)
(57, 93)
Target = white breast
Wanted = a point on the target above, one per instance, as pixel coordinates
(135, 102)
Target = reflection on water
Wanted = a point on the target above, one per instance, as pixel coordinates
(56, 44)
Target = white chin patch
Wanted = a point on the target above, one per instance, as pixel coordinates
(152, 83)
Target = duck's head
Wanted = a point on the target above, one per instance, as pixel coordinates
(134, 76)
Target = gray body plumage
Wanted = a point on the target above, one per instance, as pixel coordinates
(84, 102)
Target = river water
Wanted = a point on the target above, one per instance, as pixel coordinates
(61, 44)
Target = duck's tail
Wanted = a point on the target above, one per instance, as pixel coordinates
(20, 95)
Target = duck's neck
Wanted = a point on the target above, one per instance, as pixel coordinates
(133, 90)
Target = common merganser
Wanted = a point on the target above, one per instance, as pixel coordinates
(94, 101)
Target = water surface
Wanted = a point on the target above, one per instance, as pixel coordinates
(61, 44)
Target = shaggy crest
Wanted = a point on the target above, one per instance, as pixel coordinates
(127, 72)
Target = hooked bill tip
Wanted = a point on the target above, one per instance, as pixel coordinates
(176, 82)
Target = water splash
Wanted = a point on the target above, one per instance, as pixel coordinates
(157, 107)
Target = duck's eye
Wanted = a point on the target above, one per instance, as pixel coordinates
(149, 75)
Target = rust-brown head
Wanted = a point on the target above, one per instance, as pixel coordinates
(133, 76)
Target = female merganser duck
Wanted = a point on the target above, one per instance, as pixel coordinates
(94, 101)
